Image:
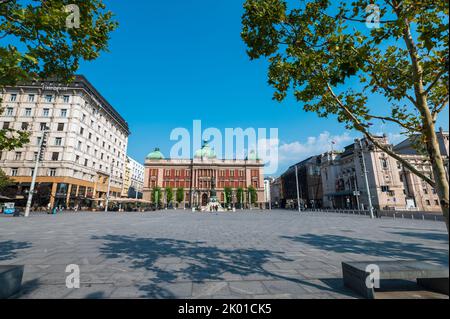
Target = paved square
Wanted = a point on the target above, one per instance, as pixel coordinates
(180, 254)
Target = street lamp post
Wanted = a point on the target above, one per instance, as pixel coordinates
(298, 190)
(42, 146)
(366, 179)
(109, 187)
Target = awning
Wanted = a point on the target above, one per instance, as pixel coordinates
(123, 200)
(342, 193)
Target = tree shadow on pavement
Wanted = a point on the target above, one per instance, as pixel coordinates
(174, 261)
(8, 249)
(365, 247)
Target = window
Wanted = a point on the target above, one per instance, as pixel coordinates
(81, 131)
(14, 171)
(90, 136)
(18, 156)
(43, 126)
(384, 163)
(35, 156)
(28, 111)
(6, 125)
(58, 141)
(79, 145)
(55, 156)
(64, 113)
(436, 202)
(428, 202)
(52, 172)
(32, 172)
(86, 162)
(31, 98)
(77, 158)
(385, 189)
(13, 98)
(66, 98)
(46, 112)
(24, 126)
(83, 117)
(9, 111)
(48, 98)
(60, 127)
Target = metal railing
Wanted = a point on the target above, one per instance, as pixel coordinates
(411, 215)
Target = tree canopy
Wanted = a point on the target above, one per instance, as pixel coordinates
(333, 61)
(38, 40)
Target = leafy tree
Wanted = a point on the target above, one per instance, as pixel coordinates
(156, 196)
(240, 195)
(180, 195)
(5, 181)
(42, 45)
(169, 195)
(319, 49)
(253, 194)
(227, 195)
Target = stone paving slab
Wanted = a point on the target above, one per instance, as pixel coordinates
(180, 254)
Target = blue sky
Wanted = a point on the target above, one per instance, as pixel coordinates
(175, 61)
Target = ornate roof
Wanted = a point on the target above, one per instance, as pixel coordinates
(155, 155)
(253, 156)
(205, 152)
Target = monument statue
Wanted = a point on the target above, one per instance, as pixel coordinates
(213, 189)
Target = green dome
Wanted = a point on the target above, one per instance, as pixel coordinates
(252, 156)
(155, 155)
(205, 152)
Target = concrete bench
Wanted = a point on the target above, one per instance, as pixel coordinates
(10, 280)
(427, 275)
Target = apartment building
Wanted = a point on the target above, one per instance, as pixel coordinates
(133, 179)
(86, 148)
(420, 195)
(343, 178)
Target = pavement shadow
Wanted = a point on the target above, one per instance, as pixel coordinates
(192, 262)
(8, 249)
(427, 236)
(389, 249)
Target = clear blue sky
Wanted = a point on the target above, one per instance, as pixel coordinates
(175, 61)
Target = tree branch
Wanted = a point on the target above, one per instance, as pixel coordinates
(436, 80)
(360, 127)
(390, 119)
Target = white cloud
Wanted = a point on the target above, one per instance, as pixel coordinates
(313, 145)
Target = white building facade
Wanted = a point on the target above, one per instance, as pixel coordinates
(133, 179)
(86, 148)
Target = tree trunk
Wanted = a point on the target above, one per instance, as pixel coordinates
(437, 163)
(429, 129)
